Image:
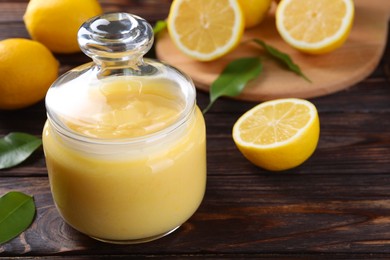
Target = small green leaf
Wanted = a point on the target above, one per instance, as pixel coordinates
(234, 78)
(17, 147)
(159, 26)
(17, 211)
(282, 57)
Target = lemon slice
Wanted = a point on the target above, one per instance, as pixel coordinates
(315, 26)
(205, 30)
(279, 134)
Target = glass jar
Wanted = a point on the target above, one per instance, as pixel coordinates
(124, 141)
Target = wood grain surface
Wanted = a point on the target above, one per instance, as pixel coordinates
(329, 73)
(334, 206)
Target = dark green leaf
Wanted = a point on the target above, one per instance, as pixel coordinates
(282, 57)
(159, 26)
(17, 211)
(17, 147)
(234, 78)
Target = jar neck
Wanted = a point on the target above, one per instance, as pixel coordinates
(129, 67)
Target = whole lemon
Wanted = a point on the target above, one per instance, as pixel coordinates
(27, 69)
(254, 11)
(55, 22)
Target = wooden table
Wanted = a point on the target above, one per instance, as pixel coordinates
(336, 205)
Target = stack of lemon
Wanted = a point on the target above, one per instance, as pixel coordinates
(206, 30)
(278, 134)
(28, 67)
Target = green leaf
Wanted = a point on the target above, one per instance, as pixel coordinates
(17, 211)
(159, 26)
(282, 57)
(234, 78)
(17, 147)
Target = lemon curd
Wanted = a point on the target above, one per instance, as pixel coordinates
(125, 153)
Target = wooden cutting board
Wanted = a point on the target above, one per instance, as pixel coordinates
(329, 73)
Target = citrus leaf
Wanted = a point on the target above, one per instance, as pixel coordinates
(17, 211)
(17, 147)
(234, 78)
(159, 26)
(282, 57)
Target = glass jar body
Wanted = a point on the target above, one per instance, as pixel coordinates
(133, 194)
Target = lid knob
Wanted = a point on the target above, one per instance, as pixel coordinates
(115, 37)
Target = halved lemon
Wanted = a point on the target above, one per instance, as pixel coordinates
(279, 134)
(205, 30)
(315, 26)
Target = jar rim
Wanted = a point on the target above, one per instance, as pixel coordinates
(181, 121)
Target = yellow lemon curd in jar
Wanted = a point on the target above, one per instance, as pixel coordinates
(145, 179)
